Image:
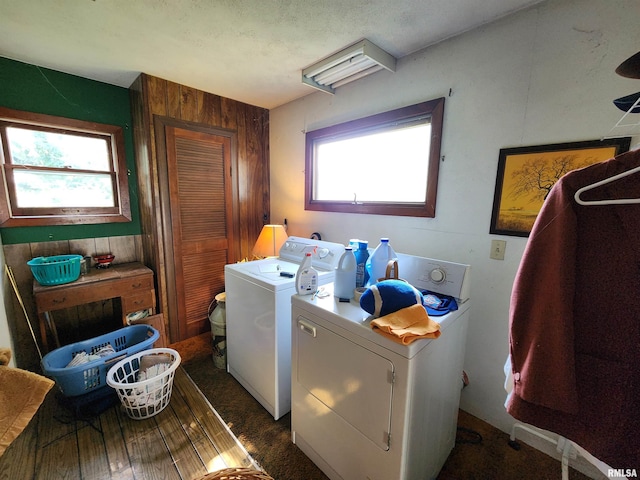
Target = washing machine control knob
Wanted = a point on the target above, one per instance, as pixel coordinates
(438, 275)
(323, 252)
(292, 246)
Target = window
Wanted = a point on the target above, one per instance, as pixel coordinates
(58, 171)
(385, 164)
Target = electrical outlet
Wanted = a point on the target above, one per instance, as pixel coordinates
(497, 249)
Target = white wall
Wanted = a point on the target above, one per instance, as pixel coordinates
(6, 340)
(544, 75)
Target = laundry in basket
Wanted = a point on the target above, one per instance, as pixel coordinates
(144, 381)
(86, 377)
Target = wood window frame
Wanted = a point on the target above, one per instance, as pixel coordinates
(11, 216)
(432, 108)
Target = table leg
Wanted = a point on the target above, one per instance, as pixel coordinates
(43, 331)
(52, 326)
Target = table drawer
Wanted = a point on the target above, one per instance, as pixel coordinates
(57, 300)
(134, 284)
(139, 301)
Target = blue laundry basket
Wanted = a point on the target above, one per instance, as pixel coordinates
(90, 376)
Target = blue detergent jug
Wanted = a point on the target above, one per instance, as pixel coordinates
(362, 255)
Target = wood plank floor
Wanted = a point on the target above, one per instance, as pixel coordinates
(185, 441)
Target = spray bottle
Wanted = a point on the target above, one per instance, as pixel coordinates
(306, 277)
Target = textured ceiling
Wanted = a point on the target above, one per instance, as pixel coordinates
(248, 50)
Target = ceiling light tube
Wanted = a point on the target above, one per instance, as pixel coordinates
(344, 69)
(375, 68)
(339, 67)
(348, 72)
(330, 62)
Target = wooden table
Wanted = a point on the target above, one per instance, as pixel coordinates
(132, 283)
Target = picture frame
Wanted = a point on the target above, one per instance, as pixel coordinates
(519, 194)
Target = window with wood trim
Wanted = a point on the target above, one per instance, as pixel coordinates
(385, 164)
(61, 171)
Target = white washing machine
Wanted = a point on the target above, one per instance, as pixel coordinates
(258, 318)
(366, 407)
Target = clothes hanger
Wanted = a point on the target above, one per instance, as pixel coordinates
(620, 201)
(630, 68)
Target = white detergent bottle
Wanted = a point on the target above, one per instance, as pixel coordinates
(377, 263)
(306, 277)
(345, 278)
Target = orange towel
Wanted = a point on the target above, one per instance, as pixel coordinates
(21, 393)
(406, 325)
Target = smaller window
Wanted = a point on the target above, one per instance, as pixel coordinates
(58, 171)
(384, 164)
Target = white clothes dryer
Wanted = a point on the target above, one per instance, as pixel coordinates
(258, 318)
(365, 407)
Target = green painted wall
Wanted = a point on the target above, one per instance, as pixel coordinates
(35, 89)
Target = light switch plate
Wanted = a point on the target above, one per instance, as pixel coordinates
(497, 249)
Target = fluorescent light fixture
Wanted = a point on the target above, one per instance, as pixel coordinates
(354, 62)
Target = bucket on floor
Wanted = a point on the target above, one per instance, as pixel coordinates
(218, 320)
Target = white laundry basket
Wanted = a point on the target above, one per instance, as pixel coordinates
(148, 397)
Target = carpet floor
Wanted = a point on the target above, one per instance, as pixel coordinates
(481, 451)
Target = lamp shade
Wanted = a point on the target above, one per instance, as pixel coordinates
(270, 240)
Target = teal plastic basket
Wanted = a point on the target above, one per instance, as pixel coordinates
(55, 270)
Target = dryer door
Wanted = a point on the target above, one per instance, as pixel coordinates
(355, 383)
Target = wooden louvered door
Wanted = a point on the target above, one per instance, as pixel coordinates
(200, 191)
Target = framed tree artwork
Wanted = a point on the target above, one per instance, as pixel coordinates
(526, 175)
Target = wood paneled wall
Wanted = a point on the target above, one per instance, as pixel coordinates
(152, 96)
(74, 324)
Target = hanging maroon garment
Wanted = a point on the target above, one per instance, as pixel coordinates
(575, 316)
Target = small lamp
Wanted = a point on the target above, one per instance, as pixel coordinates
(269, 242)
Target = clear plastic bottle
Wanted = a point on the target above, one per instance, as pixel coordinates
(362, 255)
(306, 277)
(345, 275)
(377, 263)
